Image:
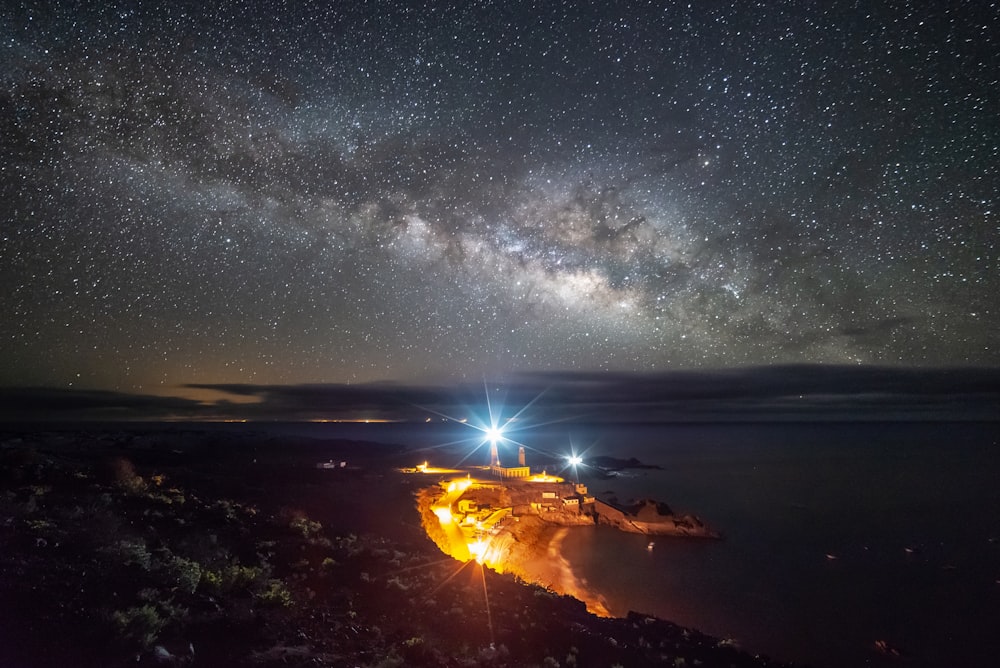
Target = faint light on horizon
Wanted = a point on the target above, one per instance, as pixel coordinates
(354, 420)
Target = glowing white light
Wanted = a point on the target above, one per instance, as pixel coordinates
(575, 460)
(494, 434)
(476, 549)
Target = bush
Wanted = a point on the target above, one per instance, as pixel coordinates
(231, 577)
(186, 573)
(126, 477)
(128, 552)
(306, 526)
(40, 525)
(275, 594)
(141, 624)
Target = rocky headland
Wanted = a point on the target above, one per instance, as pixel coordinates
(527, 541)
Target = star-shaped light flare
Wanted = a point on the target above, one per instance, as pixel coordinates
(495, 428)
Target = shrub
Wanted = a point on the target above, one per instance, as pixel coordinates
(126, 477)
(306, 526)
(128, 552)
(231, 577)
(275, 594)
(40, 525)
(141, 624)
(175, 614)
(186, 573)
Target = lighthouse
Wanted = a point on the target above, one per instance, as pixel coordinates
(520, 471)
(495, 456)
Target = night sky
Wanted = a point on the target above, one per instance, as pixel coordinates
(348, 192)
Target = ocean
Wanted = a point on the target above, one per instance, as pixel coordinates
(836, 536)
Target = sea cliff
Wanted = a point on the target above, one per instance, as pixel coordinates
(528, 548)
(528, 544)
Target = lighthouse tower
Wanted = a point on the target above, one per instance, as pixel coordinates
(520, 471)
(494, 455)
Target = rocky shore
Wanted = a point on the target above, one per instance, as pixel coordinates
(652, 518)
(528, 545)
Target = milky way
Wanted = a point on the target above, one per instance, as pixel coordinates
(349, 192)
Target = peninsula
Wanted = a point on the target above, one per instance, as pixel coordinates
(514, 520)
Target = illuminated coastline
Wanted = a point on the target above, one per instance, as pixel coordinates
(514, 520)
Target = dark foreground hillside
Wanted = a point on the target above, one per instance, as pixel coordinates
(203, 549)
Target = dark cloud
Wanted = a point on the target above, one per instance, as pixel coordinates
(762, 386)
(825, 392)
(42, 403)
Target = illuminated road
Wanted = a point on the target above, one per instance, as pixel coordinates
(459, 546)
(466, 540)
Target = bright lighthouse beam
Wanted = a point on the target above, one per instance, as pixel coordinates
(494, 434)
(493, 426)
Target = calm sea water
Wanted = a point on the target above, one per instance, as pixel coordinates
(836, 535)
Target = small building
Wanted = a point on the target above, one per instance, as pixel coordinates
(467, 506)
(510, 471)
(501, 471)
